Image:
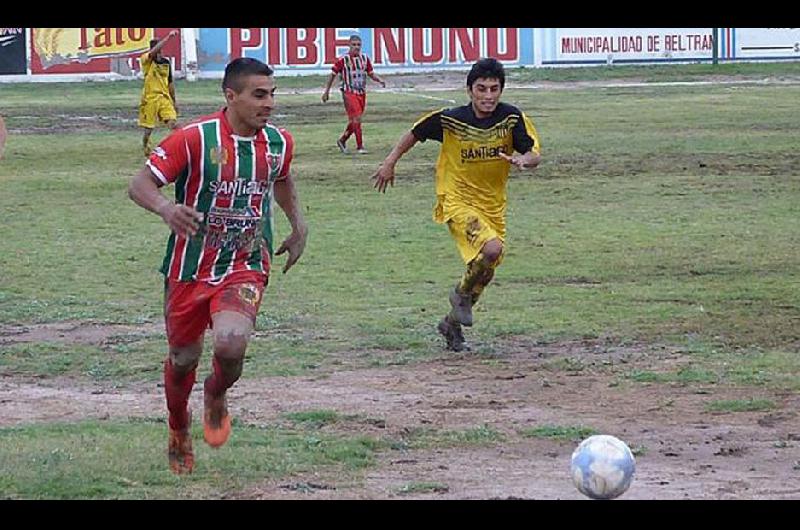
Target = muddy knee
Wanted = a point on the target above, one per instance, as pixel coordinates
(185, 359)
(492, 251)
(230, 344)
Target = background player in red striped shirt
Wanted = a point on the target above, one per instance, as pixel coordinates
(225, 166)
(353, 69)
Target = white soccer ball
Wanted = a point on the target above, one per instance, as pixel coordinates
(602, 467)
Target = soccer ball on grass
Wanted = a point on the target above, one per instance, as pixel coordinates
(602, 467)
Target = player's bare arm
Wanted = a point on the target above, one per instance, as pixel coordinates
(385, 175)
(327, 94)
(157, 48)
(529, 160)
(377, 79)
(286, 197)
(144, 191)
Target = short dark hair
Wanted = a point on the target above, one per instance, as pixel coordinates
(485, 68)
(240, 68)
(355, 37)
(153, 43)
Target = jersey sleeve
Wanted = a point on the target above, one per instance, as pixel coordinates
(368, 67)
(525, 136)
(338, 65)
(429, 127)
(286, 162)
(170, 158)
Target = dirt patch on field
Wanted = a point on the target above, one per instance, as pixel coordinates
(75, 332)
(684, 451)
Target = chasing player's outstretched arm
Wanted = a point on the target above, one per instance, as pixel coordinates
(526, 143)
(286, 197)
(529, 160)
(385, 175)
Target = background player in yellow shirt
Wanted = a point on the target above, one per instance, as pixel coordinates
(480, 143)
(158, 94)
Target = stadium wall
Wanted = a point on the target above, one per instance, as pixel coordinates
(78, 54)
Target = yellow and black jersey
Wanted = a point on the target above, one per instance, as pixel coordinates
(157, 76)
(469, 170)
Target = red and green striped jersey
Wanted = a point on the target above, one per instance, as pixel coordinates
(228, 178)
(353, 70)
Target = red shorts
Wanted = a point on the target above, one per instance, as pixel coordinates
(354, 104)
(188, 306)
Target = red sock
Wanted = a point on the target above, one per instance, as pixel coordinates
(347, 132)
(177, 388)
(217, 383)
(359, 138)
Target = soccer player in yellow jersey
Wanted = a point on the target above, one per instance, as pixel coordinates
(158, 95)
(480, 143)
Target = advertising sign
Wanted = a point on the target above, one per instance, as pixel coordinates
(93, 50)
(12, 51)
(760, 43)
(313, 50)
(575, 46)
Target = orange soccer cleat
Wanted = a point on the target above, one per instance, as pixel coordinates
(181, 456)
(216, 420)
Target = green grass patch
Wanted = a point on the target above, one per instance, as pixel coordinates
(623, 232)
(427, 438)
(314, 418)
(52, 359)
(559, 432)
(127, 460)
(718, 364)
(654, 73)
(740, 405)
(686, 375)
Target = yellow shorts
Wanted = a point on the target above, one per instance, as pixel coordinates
(471, 230)
(157, 108)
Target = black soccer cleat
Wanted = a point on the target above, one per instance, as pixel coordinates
(451, 331)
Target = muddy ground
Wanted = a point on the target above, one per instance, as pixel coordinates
(684, 451)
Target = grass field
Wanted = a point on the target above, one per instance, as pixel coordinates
(661, 215)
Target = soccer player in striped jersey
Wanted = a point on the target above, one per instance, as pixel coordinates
(480, 143)
(353, 68)
(158, 101)
(227, 167)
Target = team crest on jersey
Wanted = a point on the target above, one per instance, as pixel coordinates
(249, 294)
(219, 155)
(274, 159)
(160, 153)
